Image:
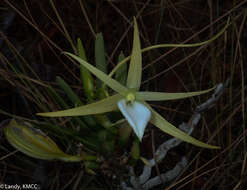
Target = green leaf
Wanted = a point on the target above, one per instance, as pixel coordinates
(61, 103)
(81, 50)
(34, 142)
(100, 53)
(86, 77)
(168, 128)
(102, 76)
(121, 73)
(102, 106)
(161, 96)
(135, 67)
(100, 60)
(68, 91)
(74, 99)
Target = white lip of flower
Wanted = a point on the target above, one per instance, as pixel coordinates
(135, 113)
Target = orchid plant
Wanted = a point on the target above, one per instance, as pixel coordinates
(131, 102)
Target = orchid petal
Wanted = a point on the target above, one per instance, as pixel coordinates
(136, 114)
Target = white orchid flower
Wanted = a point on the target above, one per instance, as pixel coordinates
(132, 102)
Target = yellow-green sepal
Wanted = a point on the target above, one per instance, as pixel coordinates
(158, 121)
(135, 68)
(116, 86)
(161, 96)
(106, 105)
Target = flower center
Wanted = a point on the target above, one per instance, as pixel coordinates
(130, 98)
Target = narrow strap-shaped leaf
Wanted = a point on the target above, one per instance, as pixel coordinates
(161, 96)
(63, 105)
(121, 73)
(102, 76)
(68, 91)
(86, 77)
(135, 67)
(102, 106)
(168, 128)
(74, 99)
(100, 60)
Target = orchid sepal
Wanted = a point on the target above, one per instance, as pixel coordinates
(106, 105)
(160, 122)
(162, 96)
